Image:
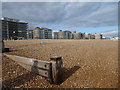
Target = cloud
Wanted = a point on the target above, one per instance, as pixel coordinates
(111, 33)
(63, 14)
(33, 12)
(60, 0)
(95, 16)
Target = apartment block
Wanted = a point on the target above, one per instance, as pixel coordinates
(22, 30)
(67, 35)
(55, 35)
(61, 35)
(13, 29)
(29, 34)
(76, 35)
(42, 33)
(87, 36)
(92, 36)
(36, 33)
(48, 33)
(98, 36)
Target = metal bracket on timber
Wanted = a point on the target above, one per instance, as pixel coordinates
(51, 70)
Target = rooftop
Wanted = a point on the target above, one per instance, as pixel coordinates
(11, 19)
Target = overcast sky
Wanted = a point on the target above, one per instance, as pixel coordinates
(88, 17)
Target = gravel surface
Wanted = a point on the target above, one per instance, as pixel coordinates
(87, 63)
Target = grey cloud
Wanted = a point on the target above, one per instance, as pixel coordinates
(68, 15)
(80, 10)
(98, 18)
(38, 12)
(111, 33)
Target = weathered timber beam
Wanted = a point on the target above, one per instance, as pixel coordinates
(36, 70)
(52, 70)
(29, 61)
(40, 67)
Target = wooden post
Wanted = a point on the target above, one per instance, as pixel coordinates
(2, 46)
(56, 69)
